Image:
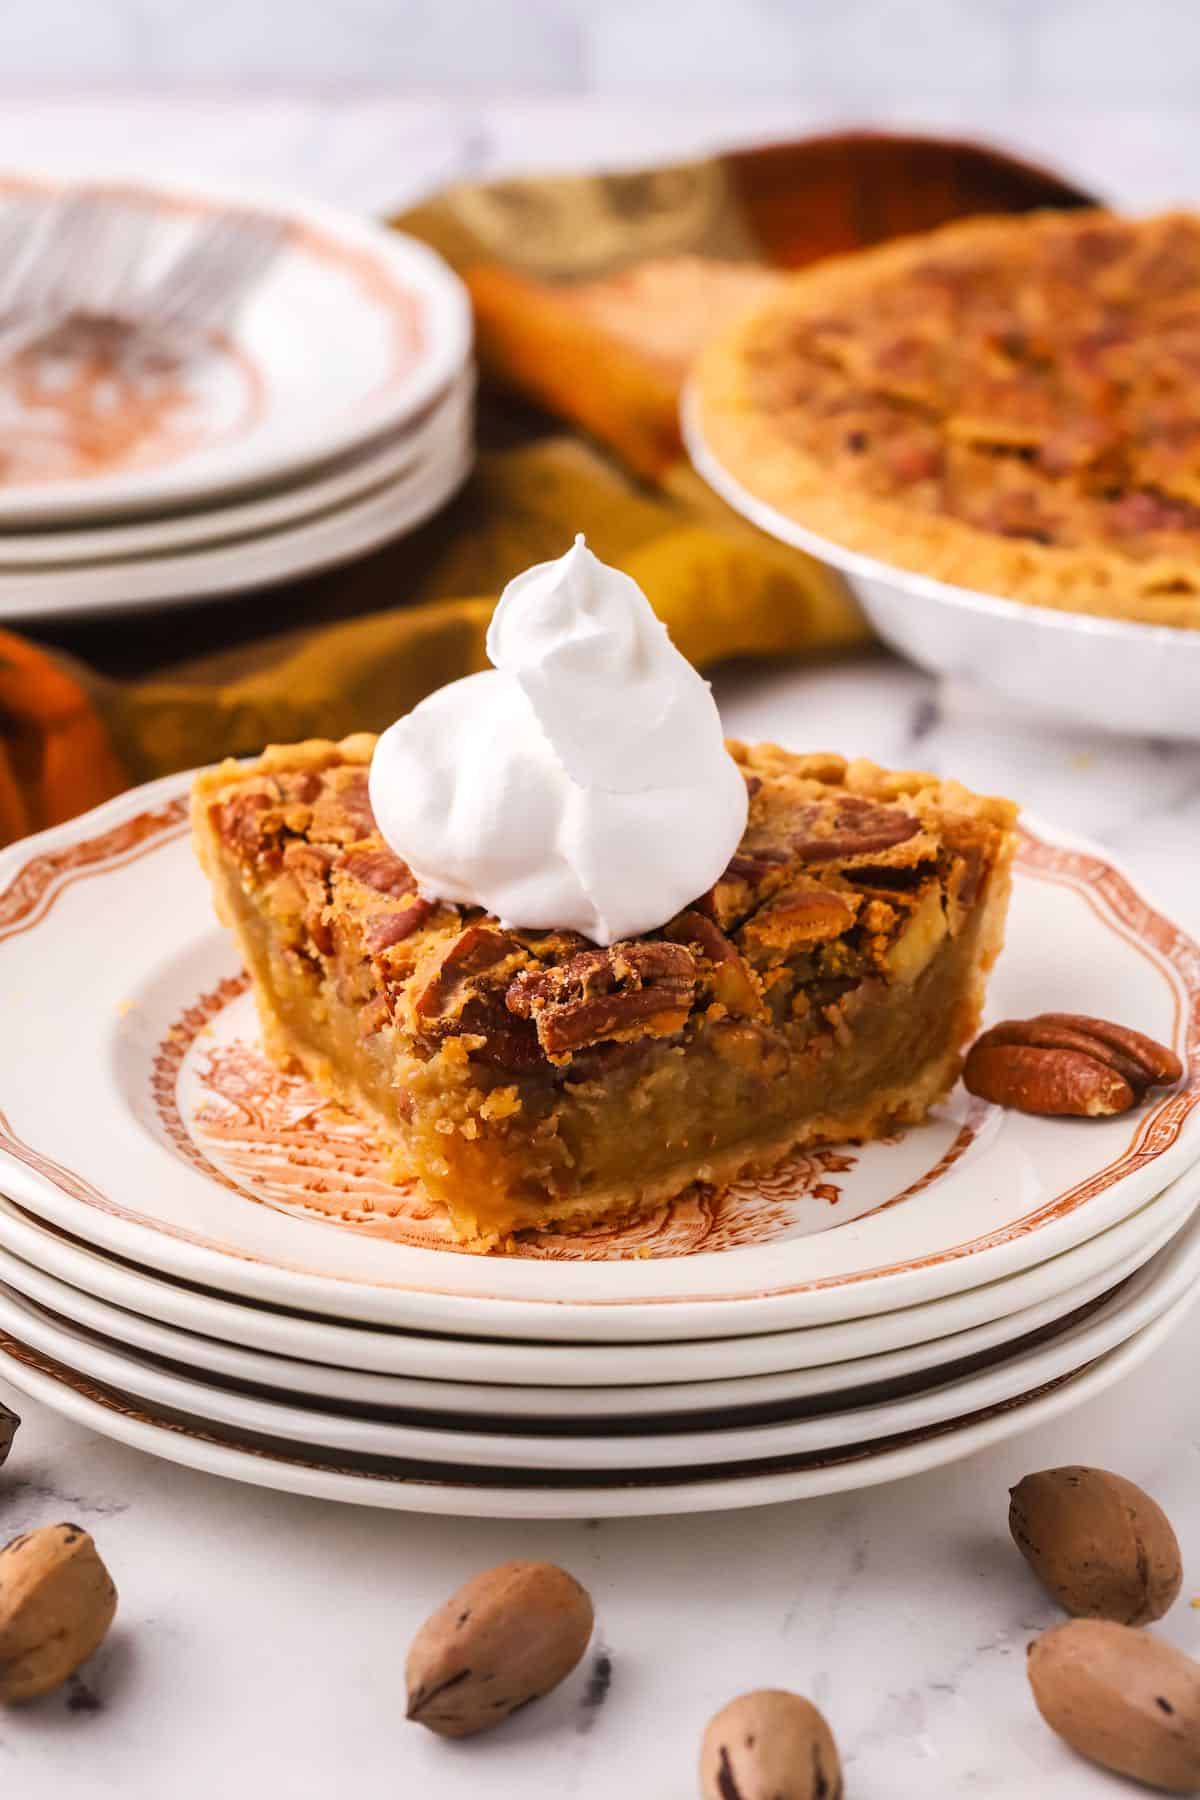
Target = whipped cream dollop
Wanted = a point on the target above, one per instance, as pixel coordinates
(583, 782)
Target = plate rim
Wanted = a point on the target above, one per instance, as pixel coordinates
(390, 456)
(392, 508)
(269, 1469)
(1077, 1342)
(780, 1346)
(239, 1362)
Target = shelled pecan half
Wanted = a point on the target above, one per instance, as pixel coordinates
(632, 990)
(1067, 1064)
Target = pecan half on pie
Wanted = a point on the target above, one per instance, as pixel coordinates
(1009, 404)
(821, 990)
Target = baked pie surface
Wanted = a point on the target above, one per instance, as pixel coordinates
(1011, 405)
(823, 989)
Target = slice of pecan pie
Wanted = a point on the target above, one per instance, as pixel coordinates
(821, 990)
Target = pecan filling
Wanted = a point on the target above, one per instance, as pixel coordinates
(1037, 383)
(633, 990)
(833, 894)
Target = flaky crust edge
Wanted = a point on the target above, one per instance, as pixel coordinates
(859, 775)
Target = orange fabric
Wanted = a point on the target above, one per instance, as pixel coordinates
(827, 195)
(55, 757)
(528, 338)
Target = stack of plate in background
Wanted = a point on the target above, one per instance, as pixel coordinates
(330, 412)
(201, 1257)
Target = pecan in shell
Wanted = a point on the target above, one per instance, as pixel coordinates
(9, 1422)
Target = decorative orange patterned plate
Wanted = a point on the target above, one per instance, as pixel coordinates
(137, 1111)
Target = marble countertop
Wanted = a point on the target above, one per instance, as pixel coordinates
(261, 1638)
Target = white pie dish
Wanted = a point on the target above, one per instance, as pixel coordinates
(1111, 673)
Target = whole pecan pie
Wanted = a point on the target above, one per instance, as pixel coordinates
(1012, 405)
(821, 990)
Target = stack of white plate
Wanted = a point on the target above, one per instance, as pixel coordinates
(201, 1258)
(332, 415)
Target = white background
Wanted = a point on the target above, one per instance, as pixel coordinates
(855, 53)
